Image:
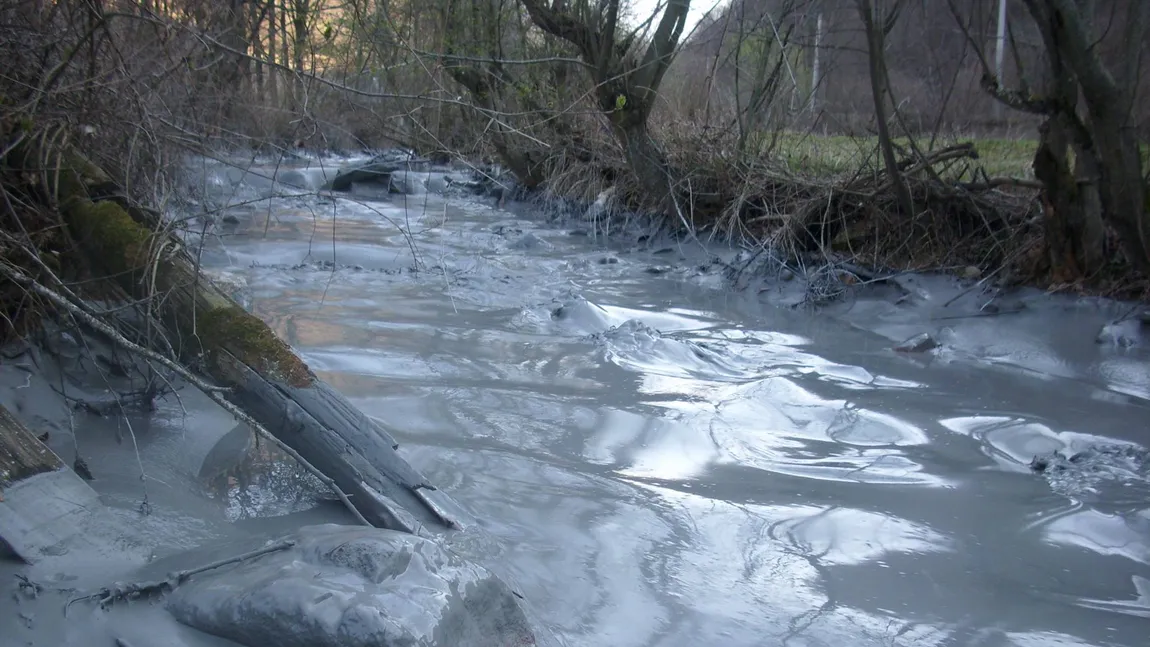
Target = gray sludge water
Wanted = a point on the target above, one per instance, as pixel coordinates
(651, 459)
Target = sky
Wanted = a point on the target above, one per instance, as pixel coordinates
(644, 8)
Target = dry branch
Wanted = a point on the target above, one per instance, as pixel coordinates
(125, 592)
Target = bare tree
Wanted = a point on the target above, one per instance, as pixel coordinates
(626, 82)
(878, 21)
(1087, 159)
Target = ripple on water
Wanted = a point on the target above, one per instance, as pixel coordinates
(766, 566)
(776, 425)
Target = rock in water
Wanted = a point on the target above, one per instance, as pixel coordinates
(406, 183)
(352, 586)
(1125, 333)
(377, 169)
(529, 241)
(918, 344)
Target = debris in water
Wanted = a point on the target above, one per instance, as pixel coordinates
(1125, 333)
(1085, 471)
(81, 468)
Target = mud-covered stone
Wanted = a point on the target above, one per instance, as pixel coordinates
(530, 241)
(407, 183)
(920, 343)
(349, 586)
(1125, 333)
(377, 169)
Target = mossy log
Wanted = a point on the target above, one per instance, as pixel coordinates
(211, 332)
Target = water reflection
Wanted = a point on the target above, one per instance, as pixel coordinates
(846, 536)
(264, 482)
(1121, 535)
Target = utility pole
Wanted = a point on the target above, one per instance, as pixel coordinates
(999, 52)
(815, 80)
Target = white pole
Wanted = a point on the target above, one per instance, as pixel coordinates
(1000, 51)
(815, 63)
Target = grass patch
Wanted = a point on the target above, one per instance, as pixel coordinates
(829, 156)
(833, 156)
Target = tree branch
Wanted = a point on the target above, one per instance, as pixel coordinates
(661, 51)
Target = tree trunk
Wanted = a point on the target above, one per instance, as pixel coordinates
(1073, 224)
(816, 80)
(255, 27)
(879, 86)
(1106, 145)
(521, 163)
(300, 16)
(645, 159)
(264, 376)
(1123, 192)
(626, 89)
(273, 54)
(21, 454)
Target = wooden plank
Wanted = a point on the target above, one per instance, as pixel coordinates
(21, 454)
(46, 510)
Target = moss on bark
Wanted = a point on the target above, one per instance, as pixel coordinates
(112, 239)
(253, 343)
(124, 248)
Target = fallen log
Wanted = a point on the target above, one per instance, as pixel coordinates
(262, 375)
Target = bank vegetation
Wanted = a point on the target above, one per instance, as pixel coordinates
(1002, 138)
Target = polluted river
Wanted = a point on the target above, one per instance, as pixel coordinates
(648, 454)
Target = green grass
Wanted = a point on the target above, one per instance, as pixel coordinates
(819, 155)
(831, 155)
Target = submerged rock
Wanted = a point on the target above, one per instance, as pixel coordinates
(345, 586)
(918, 344)
(530, 241)
(1125, 333)
(377, 169)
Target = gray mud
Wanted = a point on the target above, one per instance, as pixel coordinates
(653, 458)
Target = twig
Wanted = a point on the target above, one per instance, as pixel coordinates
(127, 591)
(996, 182)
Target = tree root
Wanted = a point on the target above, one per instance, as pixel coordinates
(128, 591)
